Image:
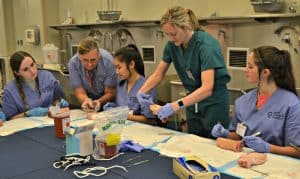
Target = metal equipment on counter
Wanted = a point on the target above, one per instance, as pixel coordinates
(96, 35)
(110, 14)
(267, 5)
(124, 37)
(117, 40)
(67, 50)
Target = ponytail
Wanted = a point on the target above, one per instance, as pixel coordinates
(283, 75)
(280, 65)
(193, 20)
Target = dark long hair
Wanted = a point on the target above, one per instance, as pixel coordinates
(280, 65)
(15, 63)
(131, 53)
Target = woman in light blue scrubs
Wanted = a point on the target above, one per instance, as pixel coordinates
(2, 118)
(32, 91)
(130, 69)
(272, 109)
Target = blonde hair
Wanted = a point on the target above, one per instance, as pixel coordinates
(86, 45)
(181, 17)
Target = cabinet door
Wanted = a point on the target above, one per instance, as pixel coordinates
(20, 20)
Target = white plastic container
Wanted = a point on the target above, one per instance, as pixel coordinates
(50, 52)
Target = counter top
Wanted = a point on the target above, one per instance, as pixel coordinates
(55, 67)
(175, 82)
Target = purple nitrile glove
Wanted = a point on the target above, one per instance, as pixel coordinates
(165, 111)
(63, 103)
(109, 105)
(2, 116)
(39, 111)
(144, 99)
(219, 131)
(257, 144)
(128, 145)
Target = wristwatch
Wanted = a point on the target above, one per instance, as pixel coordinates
(180, 103)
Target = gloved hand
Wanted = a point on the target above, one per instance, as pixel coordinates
(128, 145)
(63, 103)
(257, 144)
(2, 116)
(39, 111)
(109, 105)
(165, 111)
(219, 131)
(144, 99)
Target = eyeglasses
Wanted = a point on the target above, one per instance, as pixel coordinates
(86, 61)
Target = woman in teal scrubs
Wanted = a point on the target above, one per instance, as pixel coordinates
(198, 60)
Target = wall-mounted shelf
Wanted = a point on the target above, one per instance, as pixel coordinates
(202, 20)
(246, 19)
(104, 23)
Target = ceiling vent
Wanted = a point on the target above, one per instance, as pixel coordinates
(148, 53)
(237, 57)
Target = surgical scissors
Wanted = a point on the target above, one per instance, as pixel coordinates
(68, 161)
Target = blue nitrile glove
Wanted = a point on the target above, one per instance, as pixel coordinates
(144, 99)
(109, 105)
(165, 111)
(39, 111)
(219, 131)
(257, 144)
(128, 145)
(2, 116)
(63, 103)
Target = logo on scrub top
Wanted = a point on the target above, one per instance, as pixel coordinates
(276, 115)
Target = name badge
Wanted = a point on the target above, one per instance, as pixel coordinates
(189, 74)
(241, 129)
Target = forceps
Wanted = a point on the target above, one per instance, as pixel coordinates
(138, 163)
(295, 147)
(133, 160)
(263, 173)
(254, 135)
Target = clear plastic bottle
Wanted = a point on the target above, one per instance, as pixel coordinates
(293, 6)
